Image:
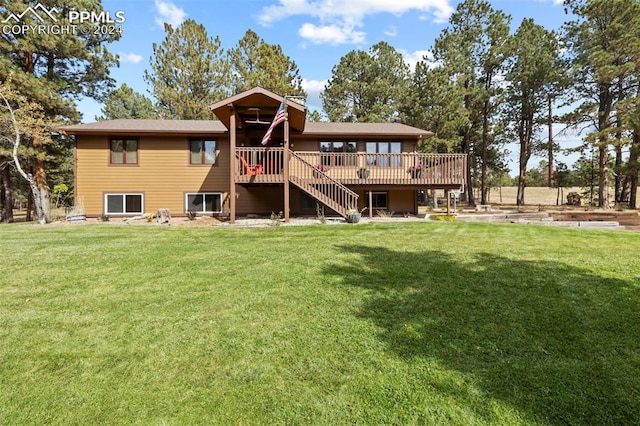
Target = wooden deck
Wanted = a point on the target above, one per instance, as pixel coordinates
(431, 170)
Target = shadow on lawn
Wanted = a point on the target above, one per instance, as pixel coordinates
(558, 343)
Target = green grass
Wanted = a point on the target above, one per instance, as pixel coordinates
(414, 323)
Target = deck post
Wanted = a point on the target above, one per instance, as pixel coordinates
(370, 204)
(448, 197)
(286, 161)
(232, 165)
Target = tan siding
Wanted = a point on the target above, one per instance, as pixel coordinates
(163, 173)
(400, 201)
(260, 199)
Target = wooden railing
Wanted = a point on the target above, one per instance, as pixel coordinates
(414, 168)
(271, 161)
(322, 187)
(392, 169)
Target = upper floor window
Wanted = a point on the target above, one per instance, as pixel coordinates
(333, 153)
(124, 151)
(388, 153)
(202, 151)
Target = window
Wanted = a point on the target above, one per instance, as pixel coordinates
(123, 203)
(124, 151)
(203, 202)
(202, 151)
(379, 200)
(332, 153)
(391, 150)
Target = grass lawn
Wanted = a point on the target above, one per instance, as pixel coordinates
(399, 323)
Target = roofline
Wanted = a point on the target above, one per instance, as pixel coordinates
(254, 91)
(72, 131)
(419, 135)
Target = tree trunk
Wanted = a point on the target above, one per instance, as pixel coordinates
(42, 196)
(603, 178)
(619, 175)
(550, 146)
(520, 194)
(634, 169)
(484, 154)
(7, 216)
(29, 216)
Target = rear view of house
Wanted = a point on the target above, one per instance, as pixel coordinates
(228, 168)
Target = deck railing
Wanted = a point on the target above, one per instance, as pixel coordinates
(414, 168)
(321, 186)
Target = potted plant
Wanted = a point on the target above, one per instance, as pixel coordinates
(363, 173)
(416, 171)
(353, 215)
(320, 169)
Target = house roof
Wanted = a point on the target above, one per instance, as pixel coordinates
(140, 126)
(250, 103)
(247, 106)
(204, 127)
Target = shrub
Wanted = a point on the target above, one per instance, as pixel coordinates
(442, 217)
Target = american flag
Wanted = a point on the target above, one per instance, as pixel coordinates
(279, 118)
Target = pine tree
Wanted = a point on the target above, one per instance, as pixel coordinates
(255, 62)
(50, 70)
(124, 102)
(472, 51)
(367, 86)
(188, 72)
(605, 50)
(534, 72)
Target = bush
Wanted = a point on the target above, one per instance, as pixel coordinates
(442, 217)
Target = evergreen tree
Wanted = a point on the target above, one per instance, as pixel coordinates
(255, 62)
(605, 50)
(472, 51)
(435, 103)
(367, 87)
(124, 102)
(533, 73)
(50, 70)
(188, 72)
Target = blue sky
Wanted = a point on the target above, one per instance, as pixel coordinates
(313, 33)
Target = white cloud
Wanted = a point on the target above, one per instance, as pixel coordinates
(313, 89)
(391, 31)
(130, 58)
(338, 19)
(412, 58)
(169, 13)
(331, 34)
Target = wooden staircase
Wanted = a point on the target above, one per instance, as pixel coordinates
(320, 186)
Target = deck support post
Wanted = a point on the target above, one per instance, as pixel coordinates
(446, 195)
(232, 166)
(370, 204)
(285, 169)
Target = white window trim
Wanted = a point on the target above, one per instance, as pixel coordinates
(123, 194)
(186, 201)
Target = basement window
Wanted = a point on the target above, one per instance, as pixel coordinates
(124, 203)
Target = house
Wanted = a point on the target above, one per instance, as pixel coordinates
(127, 167)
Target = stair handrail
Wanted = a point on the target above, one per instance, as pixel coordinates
(324, 175)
